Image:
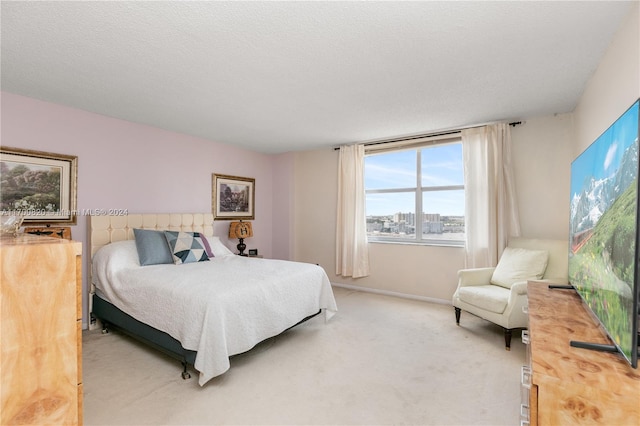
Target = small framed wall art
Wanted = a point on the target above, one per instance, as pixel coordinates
(232, 197)
(41, 186)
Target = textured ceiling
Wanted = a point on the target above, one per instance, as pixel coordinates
(286, 76)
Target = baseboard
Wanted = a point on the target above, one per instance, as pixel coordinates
(393, 294)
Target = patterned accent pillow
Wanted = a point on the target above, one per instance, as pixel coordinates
(186, 247)
(207, 247)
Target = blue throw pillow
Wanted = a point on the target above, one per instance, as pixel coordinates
(152, 247)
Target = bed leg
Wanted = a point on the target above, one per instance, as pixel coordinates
(105, 327)
(185, 373)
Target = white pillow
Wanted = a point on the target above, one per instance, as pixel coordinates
(120, 254)
(111, 259)
(217, 248)
(518, 264)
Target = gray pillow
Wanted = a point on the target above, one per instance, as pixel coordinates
(152, 247)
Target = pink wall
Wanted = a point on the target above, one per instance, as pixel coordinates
(143, 169)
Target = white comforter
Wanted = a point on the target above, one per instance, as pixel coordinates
(218, 308)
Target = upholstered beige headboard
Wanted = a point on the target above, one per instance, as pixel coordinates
(106, 229)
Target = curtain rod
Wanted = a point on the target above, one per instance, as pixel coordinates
(429, 135)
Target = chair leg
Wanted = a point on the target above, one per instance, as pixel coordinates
(457, 315)
(507, 338)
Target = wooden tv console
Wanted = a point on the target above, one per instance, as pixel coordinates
(572, 385)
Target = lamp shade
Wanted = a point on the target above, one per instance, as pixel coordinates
(240, 230)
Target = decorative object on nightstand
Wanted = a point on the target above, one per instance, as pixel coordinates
(254, 253)
(240, 230)
(11, 223)
(50, 231)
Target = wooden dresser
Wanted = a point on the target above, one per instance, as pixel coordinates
(40, 330)
(573, 385)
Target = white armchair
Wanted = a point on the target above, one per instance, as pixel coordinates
(499, 294)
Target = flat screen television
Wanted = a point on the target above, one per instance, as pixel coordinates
(604, 229)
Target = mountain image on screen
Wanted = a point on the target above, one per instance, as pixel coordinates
(598, 195)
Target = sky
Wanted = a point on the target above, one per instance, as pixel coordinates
(602, 158)
(441, 166)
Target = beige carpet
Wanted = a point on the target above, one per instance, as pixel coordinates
(380, 360)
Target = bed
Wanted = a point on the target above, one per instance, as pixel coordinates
(201, 311)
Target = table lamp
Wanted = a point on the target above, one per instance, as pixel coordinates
(240, 230)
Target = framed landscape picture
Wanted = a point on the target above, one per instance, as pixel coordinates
(233, 197)
(39, 185)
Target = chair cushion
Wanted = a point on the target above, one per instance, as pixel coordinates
(490, 298)
(518, 264)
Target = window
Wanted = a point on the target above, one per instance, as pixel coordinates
(416, 193)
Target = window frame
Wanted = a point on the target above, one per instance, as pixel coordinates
(419, 190)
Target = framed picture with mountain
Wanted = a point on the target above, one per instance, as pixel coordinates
(42, 186)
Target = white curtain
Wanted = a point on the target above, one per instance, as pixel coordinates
(491, 212)
(352, 251)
